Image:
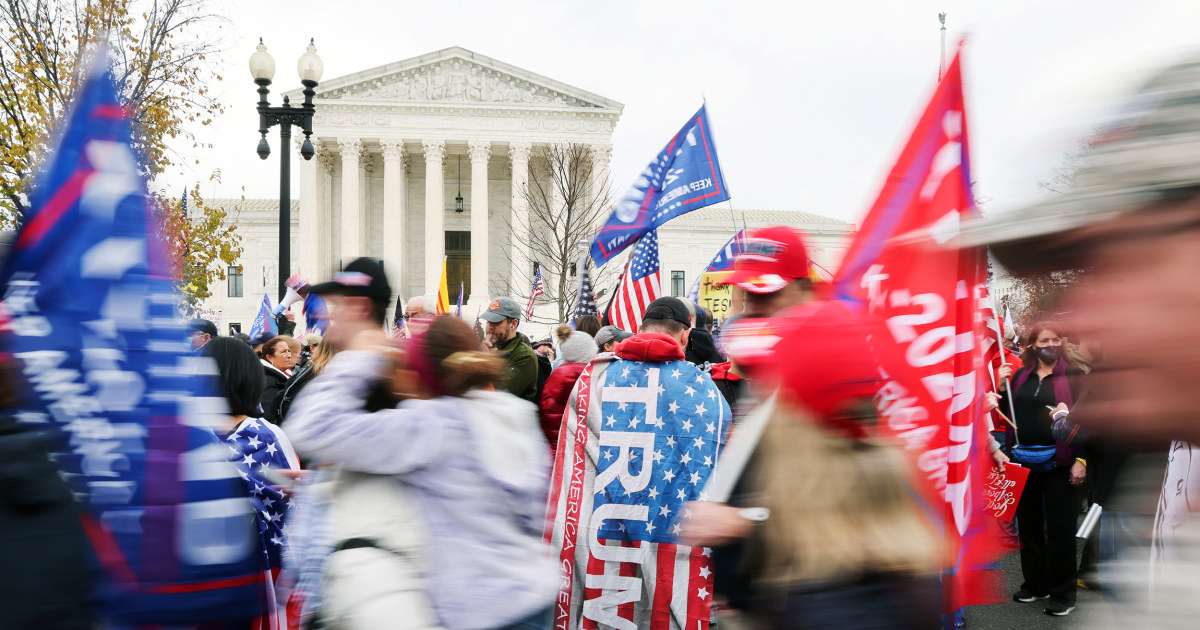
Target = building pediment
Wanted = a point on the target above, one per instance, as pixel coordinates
(456, 76)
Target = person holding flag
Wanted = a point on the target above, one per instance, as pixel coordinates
(905, 268)
(835, 537)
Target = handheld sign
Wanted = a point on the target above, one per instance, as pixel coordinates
(715, 295)
(1003, 490)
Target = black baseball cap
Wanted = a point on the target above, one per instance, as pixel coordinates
(363, 277)
(204, 326)
(668, 308)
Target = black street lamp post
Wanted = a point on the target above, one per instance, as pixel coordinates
(310, 68)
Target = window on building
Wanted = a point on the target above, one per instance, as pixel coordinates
(233, 278)
(235, 328)
(677, 289)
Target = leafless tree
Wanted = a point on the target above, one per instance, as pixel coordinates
(566, 202)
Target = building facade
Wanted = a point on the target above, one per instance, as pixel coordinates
(426, 161)
(686, 245)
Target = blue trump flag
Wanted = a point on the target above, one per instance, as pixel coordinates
(723, 261)
(93, 317)
(685, 176)
(264, 322)
(316, 316)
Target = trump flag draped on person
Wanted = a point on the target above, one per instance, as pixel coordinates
(640, 438)
(905, 268)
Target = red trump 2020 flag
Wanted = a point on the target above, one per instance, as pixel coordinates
(904, 267)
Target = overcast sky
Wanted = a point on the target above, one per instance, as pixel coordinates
(810, 101)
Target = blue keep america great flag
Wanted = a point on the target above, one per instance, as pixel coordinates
(685, 176)
(92, 314)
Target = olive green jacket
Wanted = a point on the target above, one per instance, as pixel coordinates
(522, 368)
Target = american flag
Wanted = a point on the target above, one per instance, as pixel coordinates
(539, 288)
(987, 314)
(639, 441)
(585, 300)
(641, 284)
(257, 444)
(398, 330)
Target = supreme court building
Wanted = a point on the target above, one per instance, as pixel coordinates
(397, 144)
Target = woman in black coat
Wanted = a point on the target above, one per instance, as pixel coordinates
(276, 360)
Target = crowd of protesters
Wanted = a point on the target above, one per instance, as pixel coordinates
(406, 483)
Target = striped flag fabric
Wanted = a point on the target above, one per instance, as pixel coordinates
(539, 288)
(458, 307)
(91, 308)
(639, 441)
(585, 300)
(641, 284)
(443, 294)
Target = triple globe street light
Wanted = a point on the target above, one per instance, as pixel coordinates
(262, 68)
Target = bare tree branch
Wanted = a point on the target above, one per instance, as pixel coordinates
(566, 201)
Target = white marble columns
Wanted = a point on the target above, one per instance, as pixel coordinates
(521, 270)
(394, 246)
(479, 151)
(352, 224)
(435, 213)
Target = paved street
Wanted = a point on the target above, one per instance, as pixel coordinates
(1091, 611)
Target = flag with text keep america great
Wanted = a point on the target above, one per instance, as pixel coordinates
(639, 441)
(685, 176)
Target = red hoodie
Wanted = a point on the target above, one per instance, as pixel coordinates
(555, 393)
(655, 347)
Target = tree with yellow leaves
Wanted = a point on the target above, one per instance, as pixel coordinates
(201, 242)
(159, 53)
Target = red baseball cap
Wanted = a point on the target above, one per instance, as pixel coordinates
(818, 355)
(771, 258)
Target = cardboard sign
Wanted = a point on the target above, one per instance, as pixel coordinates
(716, 296)
(1002, 491)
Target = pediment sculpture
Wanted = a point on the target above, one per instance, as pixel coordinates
(455, 81)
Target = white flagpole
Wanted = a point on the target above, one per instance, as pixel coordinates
(1004, 363)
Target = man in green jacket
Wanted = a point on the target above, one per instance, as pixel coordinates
(503, 316)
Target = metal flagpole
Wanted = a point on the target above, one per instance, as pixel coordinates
(942, 63)
(1004, 362)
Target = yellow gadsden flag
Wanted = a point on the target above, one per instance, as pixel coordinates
(443, 294)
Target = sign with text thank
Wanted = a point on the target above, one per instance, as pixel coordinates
(905, 268)
(685, 176)
(92, 314)
(1003, 490)
(715, 295)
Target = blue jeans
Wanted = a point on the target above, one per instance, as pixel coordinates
(539, 620)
